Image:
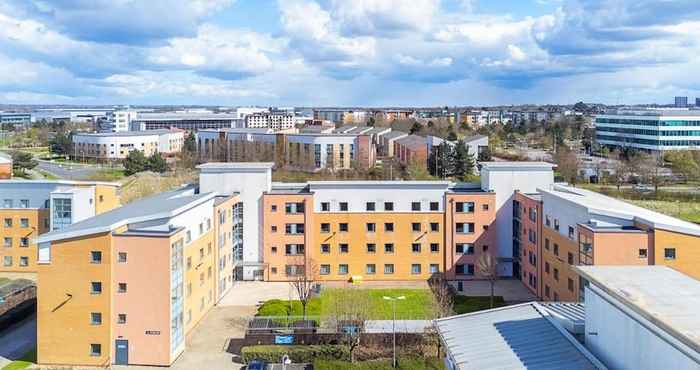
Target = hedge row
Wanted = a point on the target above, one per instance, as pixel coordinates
(305, 354)
(408, 363)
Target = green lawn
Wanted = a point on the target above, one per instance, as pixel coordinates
(416, 306)
(3, 280)
(27, 360)
(108, 175)
(429, 363)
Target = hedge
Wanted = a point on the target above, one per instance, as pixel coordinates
(429, 363)
(305, 354)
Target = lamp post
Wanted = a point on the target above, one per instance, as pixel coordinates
(393, 321)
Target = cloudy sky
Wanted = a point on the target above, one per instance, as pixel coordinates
(348, 52)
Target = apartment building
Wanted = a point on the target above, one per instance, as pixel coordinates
(172, 253)
(32, 208)
(275, 120)
(386, 143)
(118, 145)
(5, 166)
(561, 227)
(302, 151)
(411, 148)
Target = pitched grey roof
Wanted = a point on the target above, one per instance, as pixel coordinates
(158, 206)
(514, 337)
(394, 135)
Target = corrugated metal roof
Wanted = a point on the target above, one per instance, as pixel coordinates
(572, 316)
(514, 337)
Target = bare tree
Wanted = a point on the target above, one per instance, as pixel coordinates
(443, 296)
(567, 164)
(487, 268)
(303, 282)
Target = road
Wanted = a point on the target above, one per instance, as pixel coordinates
(68, 171)
(17, 340)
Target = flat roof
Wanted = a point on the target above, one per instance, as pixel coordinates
(184, 116)
(162, 205)
(129, 133)
(667, 298)
(235, 165)
(506, 165)
(60, 182)
(523, 336)
(597, 203)
(650, 113)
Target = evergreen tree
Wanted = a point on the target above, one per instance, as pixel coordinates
(61, 143)
(135, 162)
(463, 161)
(440, 160)
(452, 136)
(156, 163)
(190, 144)
(415, 128)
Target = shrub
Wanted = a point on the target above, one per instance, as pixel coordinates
(429, 363)
(305, 354)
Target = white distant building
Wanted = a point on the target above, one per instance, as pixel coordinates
(650, 129)
(118, 145)
(274, 120)
(120, 120)
(242, 112)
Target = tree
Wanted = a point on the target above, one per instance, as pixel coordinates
(351, 308)
(452, 136)
(683, 163)
(487, 268)
(440, 160)
(416, 171)
(651, 167)
(156, 163)
(23, 161)
(485, 155)
(190, 144)
(463, 161)
(415, 128)
(303, 283)
(135, 162)
(567, 164)
(371, 121)
(442, 304)
(61, 144)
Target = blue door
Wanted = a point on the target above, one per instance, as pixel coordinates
(122, 355)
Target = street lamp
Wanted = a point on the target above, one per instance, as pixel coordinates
(393, 321)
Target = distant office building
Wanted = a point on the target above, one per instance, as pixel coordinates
(242, 112)
(274, 120)
(11, 118)
(118, 120)
(697, 102)
(118, 145)
(651, 130)
(681, 101)
(189, 121)
(342, 116)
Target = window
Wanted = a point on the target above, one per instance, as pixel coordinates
(24, 222)
(342, 269)
(7, 261)
(415, 247)
(325, 207)
(7, 242)
(556, 224)
(371, 248)
(95, 257)
(464, 248)
(8, 222)
(464, 207)
(294, 208)
(415, 269)
(434, 206)
(546, 244)
(325, 248)
(571, 232)
(23, 261)
(434, 268)
(415, 206)
(23, 242)
(371, 269)
(434, 227)
(95, 318)
(434, 247)
(95, 350)
(556, 249)
(642, 253)
(343, 227)
(547, 221)
(325, 227)
(485, 207)
(556, 296)
(570, 258)
(484, 248)
(415, 226)
(325, 270)
(274, 250)
(294, 229)
(546, 291)
(273, 208)
(121, 288)
(465, 228)
(273, 270)
(556, 274)
(462, 269)
(370, 206)
(201, 253)
(389, 226)
(371, 227)
(344, 248)
(201, 228)
(95, 287)
(670, 253)
(389, 248)
(7, 203)
(343, 206)
(546, 267)
(121, 318)
(24, 203)
(273, 228)
(389, 268)
(388, 206)
(570, 283)
(188, 237)
(293, 249)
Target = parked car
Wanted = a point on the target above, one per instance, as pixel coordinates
(256, 365)
(642, 188)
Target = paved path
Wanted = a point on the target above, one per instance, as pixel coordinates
(512, 290)
(17, 340)
(252, 293)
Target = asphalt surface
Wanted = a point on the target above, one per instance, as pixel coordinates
(17, 340)
(68, 171)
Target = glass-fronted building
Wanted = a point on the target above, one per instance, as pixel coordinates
(651, 130)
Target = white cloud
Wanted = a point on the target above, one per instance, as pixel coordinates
(383, 17)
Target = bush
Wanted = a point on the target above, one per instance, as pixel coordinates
(305, 354)
(429, 363)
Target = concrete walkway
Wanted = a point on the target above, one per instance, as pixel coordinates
(510, 289)
(252, 293)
